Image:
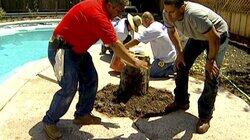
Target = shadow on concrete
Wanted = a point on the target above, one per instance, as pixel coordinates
(133, 136)
(198, 90)
(159, 79)
(196, 80)
(106, 58)
(246, 108)
(68, 129)
(108, 125)
(176, 125)
(115, 74)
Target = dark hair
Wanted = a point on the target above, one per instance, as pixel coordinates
(119, 2)
(176, 3)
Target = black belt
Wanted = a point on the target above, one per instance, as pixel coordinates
(59, 43)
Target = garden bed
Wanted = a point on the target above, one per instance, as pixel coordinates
(236, 68)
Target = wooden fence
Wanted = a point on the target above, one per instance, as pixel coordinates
(235, 12)
(17, 6)
(238, 22)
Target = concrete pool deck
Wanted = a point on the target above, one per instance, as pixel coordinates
(25, 97)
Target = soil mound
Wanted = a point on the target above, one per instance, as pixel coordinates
(153, 102)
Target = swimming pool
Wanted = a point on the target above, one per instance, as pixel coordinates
(21, 43)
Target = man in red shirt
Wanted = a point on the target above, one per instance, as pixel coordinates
(80, 28)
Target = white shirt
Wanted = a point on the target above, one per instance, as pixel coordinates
(121, 29)
(161, 45)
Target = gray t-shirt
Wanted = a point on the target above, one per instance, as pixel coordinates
(197, 20)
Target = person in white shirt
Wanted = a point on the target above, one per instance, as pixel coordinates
(163, 50)
(124, 28)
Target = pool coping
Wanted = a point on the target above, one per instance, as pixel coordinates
(11, 85)
(29, 21)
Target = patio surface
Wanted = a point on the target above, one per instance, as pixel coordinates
(25, 97)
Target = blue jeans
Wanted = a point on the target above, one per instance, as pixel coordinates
(157, 71)
(206, 101)
(78, 69)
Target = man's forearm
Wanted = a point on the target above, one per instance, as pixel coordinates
(174, 36)
(122, 52)
(214, 44)
(131, 43)
(213, 50)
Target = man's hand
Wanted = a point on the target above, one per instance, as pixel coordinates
(141, 64)
(122, 52)
(138, 64)
(179, 62)
(212, 69)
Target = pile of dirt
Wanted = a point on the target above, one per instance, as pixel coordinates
(154, 101)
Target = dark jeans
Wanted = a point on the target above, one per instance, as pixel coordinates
(78, 69)
(206, 101)
(157, 71)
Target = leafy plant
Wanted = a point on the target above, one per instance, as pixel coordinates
(35, 3)
(2, 13)
(33, 10)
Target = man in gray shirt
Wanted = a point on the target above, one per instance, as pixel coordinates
(206, 31)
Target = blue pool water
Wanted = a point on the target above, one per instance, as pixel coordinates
(21, 47)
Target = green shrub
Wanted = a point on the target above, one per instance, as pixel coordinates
(2, 13)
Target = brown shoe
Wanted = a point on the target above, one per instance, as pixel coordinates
(52, 131)
(87, 119)
(174, 107)
(202, 126)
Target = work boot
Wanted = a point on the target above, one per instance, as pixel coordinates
(87, 119)
(174, 107)
(202, 126)
(52, 131)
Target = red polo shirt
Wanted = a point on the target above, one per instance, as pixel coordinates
(85, 24)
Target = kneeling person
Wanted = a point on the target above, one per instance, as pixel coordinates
(163, 50)
(124, 28)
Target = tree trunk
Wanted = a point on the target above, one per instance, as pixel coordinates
(133, 81)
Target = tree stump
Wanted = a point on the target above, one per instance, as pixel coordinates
(133, 81)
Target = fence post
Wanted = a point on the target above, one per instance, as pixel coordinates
(56, 7)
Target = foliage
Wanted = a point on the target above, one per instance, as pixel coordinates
(2, 13)
(33, 9)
